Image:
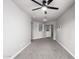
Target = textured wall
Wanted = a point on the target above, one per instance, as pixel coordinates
(66, 30)
(17, 28)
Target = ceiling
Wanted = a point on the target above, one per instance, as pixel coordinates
(28, 5)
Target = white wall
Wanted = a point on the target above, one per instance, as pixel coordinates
(66, 30)
(17, 29)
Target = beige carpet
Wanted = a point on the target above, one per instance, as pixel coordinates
(44, 49)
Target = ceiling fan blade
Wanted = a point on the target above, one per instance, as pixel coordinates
(36, 8)
(37, 3)
(49, 1)
(52, 7)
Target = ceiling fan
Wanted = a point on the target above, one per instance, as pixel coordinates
(44, 5)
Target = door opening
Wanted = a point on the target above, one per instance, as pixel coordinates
(52, 31)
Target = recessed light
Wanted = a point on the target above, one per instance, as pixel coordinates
(44, 20)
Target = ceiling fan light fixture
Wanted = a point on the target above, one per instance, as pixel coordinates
(44, 8)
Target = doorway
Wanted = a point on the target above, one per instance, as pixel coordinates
(52, 27)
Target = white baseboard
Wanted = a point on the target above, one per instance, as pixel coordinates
(43, 38)
(65, 48)
(4, 57)
(20, 51)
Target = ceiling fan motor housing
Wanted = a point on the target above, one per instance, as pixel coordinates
(44, 2)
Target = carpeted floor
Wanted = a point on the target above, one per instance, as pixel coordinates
(44, 49)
